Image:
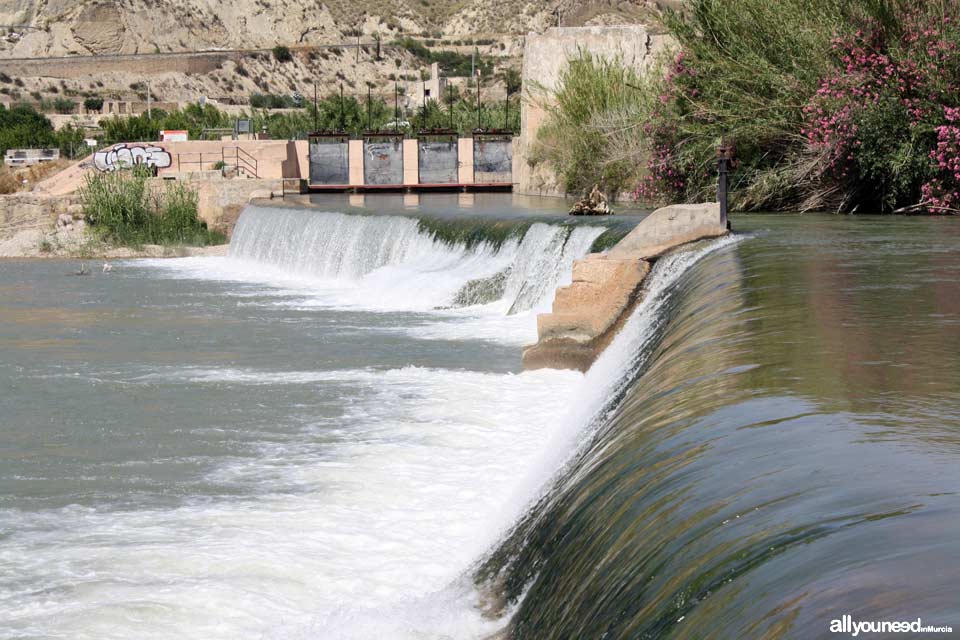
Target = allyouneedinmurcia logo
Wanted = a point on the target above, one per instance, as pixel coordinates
(846, 624)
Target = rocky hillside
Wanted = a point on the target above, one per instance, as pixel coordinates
(39, 33)
(78, 27)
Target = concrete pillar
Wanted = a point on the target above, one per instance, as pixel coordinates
(411, 162)
(465, 154)
(355, 158)
(516, 168)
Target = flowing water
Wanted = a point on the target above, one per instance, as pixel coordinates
(327, 435)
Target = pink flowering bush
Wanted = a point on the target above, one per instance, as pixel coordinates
(883, 120)
(842, 106)
(665, 178)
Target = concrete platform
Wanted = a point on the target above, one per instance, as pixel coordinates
(409, 188)
(606, 287)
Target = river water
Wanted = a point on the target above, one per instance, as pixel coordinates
(328, 435)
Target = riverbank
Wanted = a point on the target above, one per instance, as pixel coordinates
(75, 241)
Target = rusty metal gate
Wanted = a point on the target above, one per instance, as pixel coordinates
(383, 159)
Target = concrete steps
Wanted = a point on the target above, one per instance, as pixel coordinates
(588, 313)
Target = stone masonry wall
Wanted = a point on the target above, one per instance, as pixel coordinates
(544, 58)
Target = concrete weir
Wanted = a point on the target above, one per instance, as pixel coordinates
(588, 314)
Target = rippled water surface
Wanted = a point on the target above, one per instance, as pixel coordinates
(785, 452)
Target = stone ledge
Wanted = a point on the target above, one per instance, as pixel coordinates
(588, 314)
(670, 227)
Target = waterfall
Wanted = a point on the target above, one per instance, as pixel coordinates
(394, 262)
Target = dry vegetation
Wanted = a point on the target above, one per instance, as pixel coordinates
(25, 179)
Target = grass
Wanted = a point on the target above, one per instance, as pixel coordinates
(12, 180)
(474, 231)
(123, 210)
(594, 93)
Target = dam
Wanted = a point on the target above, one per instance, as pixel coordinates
(336, 436)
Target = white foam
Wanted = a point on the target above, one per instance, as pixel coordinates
(385, 263)
(370, 534)
(371, 537)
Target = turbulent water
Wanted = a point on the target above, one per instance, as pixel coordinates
(390, 262)
(327, 435)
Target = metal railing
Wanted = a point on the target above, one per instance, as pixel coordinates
(241, 160)
(229, 157)
(202, 161)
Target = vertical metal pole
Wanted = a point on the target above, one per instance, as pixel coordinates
(506, 112)
(149, 103)
(723, 170)
(478, 101)
(369, 124)
(423, 125)
(396, 106)
(316, 108)
(343, 122)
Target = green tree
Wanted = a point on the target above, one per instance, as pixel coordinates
(22, 127)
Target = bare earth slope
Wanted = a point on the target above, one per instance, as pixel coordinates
(106, 48)
(74, 27)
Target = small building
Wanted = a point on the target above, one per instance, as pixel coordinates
(418, 92)
(30, 157)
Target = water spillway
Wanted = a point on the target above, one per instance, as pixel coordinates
(402, 262)
(756, 467)
(327, 434)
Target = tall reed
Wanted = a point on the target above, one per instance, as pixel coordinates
(123, 209)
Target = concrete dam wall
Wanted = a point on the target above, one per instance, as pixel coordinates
(588, 314)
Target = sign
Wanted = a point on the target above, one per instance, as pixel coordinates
(174, 135)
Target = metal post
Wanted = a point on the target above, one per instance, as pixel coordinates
(726, 159)
(478, 101)
(316, 109)
(396, 106)
(368, 109)
(723, 170)
(506, 112)
(343, 122)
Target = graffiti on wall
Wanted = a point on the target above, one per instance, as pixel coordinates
(124, 156)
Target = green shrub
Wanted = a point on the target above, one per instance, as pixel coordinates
(452, 63)
(22, 126)
(64, 105)
(93, 104)
(595, 94)
(282, 53)
(122, 210)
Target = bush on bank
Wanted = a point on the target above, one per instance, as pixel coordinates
(123, 210)
(21, 126)
(840, 105)
(596, 99)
